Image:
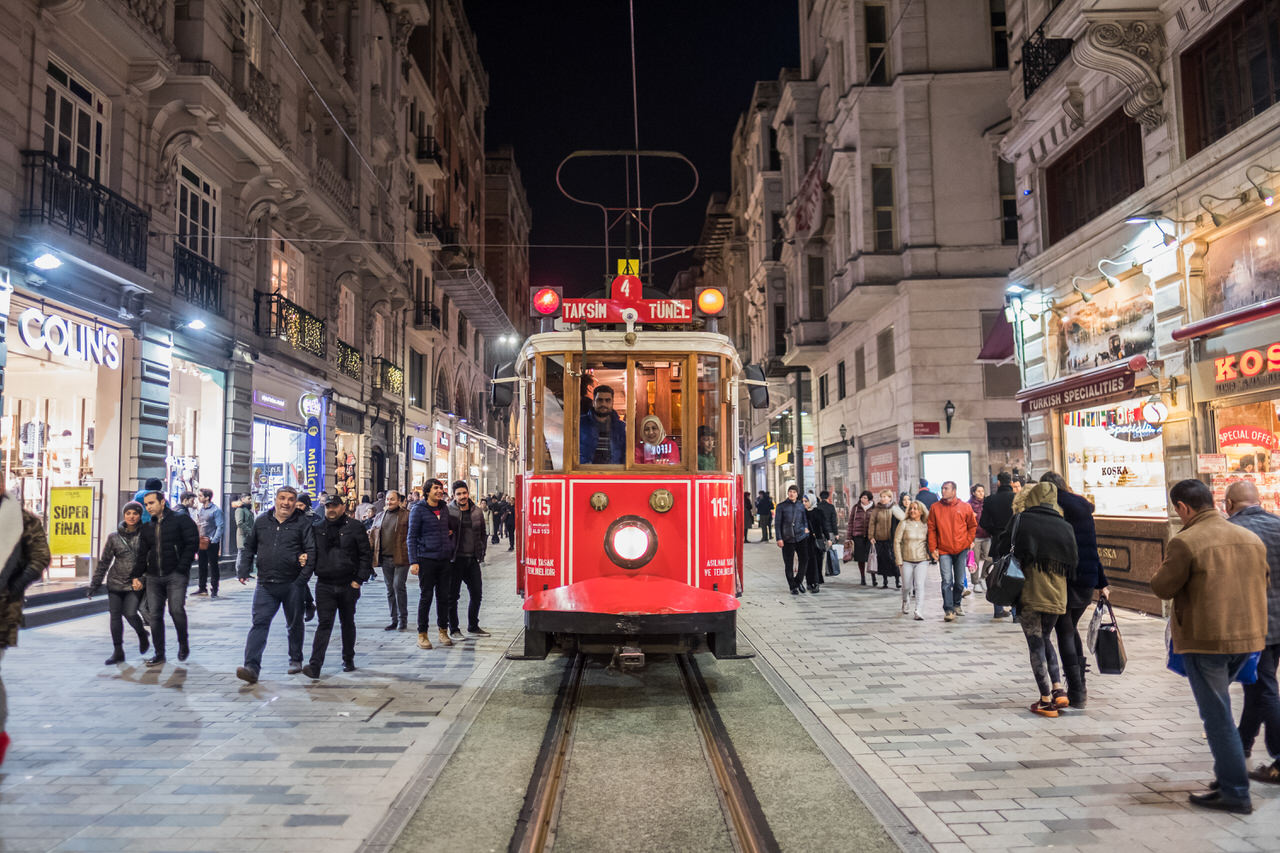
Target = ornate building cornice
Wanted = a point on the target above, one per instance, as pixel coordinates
(1131, 51)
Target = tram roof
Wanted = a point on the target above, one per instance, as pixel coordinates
(709, 343)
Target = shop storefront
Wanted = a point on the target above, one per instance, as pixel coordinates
(419, 455)
(288, 440)
(347, 479)
(197, 424)
(443, 448)
(61, 432)
(835, 479)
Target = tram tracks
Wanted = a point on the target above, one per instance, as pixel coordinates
(537, 827)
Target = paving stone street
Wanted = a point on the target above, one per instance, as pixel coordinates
(927, 721)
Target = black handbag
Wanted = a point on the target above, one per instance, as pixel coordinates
(1004, 583)
(1109, 651)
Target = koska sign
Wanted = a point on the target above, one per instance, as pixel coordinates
(69, 339)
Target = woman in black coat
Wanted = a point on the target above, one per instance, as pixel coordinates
(819, 533)
(1089, 576)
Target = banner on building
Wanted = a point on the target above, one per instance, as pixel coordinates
(70, 520)
(810, 200)
(313, 451)
(1117, 324)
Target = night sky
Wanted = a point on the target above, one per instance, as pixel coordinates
(560, 81)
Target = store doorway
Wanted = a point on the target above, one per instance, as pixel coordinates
(378, 466)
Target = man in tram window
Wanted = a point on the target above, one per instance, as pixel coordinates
(655, 447)
(602, 435)
(706, 448)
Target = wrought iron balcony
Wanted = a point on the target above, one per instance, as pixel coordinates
(387, 377)
(197, 279)
(277, 317)
(428, 150)
(58, 195)
(260, 99)
(425, 224)
(350, 361)
(1040, 57)
(426, 316)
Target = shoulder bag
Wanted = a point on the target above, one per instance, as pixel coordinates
(1004, 583)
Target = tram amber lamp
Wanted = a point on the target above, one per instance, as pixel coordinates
(711, 301)
(46, 261)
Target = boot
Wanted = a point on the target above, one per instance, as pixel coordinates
(1077, 695)
(863, 570)
(116, 657)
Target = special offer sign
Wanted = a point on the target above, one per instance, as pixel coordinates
(714, 559)
(544, 525)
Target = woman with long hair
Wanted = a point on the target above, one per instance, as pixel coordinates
(911, 555)
(859, 518)
(880, 529)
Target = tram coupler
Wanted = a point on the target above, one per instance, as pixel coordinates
(629, 657)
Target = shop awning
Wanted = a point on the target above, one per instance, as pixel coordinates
(1226, 319)
(998, 345)
(1082, 388)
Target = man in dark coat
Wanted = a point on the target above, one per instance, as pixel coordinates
(467, 557)
(169, 542)
(927, 497)
(997, 515)
(764, 515)
(281, 543)
(1261, 699)
(344, 562)
(433, 536)
(24, 548)
(831, 524)
(793, 529)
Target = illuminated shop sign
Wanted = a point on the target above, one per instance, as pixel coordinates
(69, 339)
(418, 449)
(269, 401)
(309, 405)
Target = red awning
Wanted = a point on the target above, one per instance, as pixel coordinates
(998, 345)
(1218, 322)
(1082, 388)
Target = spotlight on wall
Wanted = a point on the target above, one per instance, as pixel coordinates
(196, 324)
(1218, 218)
(1085, 296)
(1111, 280)
(1265, 194)
(46, 261)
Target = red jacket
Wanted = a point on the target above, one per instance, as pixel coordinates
(952, 526)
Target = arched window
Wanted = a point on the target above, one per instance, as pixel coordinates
(442, 391)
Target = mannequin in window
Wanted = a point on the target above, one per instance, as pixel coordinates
(655, 447)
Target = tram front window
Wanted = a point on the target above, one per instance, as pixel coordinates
(602, 433)
(551, 437)
(711, 415)
(657, 412)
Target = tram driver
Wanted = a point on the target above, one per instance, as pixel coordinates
(602, 435)
(706, 448)
(655, 446)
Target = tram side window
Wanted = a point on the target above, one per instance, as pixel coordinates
(602, 432)
(658, 413)
(710, 414)
(552, 401)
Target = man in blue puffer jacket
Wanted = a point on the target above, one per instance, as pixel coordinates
(433, 538)
(792, 528)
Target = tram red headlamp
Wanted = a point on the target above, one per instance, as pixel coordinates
(545, 302)
(630, 542)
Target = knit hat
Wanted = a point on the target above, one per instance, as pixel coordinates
(131, 505)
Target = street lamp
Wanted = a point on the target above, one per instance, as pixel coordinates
(950, 411)
(843, 432)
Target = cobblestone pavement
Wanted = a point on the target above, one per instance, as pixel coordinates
(187, 757)
(936, 714)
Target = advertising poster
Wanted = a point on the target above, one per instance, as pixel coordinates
(1244, 268)
(1117, 324)
(70, 520)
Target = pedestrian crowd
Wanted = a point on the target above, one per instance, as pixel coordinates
(1221, 572)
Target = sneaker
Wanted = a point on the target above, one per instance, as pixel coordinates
(246, 674)
(959, 611)
(795, 591)
(348, 666)
(311, 671)
(295, 667)
(1268, 773)
(155, 661)
(456, 634)
(906, 608)
(198, 593)
(445, 639)
(184, 652)
(424, 641)
(950, 617)
(967, 592)
(1060, 699)
(479, 632)
(918, 617)
(1044, 709)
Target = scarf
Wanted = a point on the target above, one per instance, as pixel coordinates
(1042, 539)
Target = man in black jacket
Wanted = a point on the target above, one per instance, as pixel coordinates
(282, 542)
(792, 526)
(344, 561)
(997, 514)
(832, 525)
(169, 541)
(467, 558)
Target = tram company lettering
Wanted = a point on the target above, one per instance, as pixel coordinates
(1067, 398)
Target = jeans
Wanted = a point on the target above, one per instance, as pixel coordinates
(331, 600)
(207, 562)
(1038, 628)
(953, 568)
(267, 599)
(397, 580)
(433, 579)
(791, 550)
(124, 608)
(168, 589)
(913, 579)
(1262, 704)
(1210, 676)
(465, 569)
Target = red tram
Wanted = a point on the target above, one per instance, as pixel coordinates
(629, 492)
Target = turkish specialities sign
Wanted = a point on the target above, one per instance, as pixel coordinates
(70, 520)
(1079, 395)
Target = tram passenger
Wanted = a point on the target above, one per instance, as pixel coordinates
(602, 435)
(655, 447)
(706, 448)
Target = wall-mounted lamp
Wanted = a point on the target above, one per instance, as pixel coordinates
(1112, 281)
(843, 432)
(46, 261)
(950, 411)
(1265, 194)
(1154, 217)
(1085, 296)
(1218, 218)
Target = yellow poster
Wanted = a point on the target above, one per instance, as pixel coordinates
(70, 520)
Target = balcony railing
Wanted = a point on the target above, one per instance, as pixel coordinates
(350, 361)
(1040, 57)
(387, 377)
(260, 99)
(335, 186)
(425, 223)
(428, 150)
(197, 280)
(277, 317)
(426, 316)
(58, 195)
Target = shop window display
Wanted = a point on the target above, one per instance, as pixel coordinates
(196, 424)
(1249, 436)
(1115, 458)
(279, 458)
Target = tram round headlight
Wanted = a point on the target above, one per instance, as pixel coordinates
(630, 542)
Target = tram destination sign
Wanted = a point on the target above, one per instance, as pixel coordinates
(625, 293)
